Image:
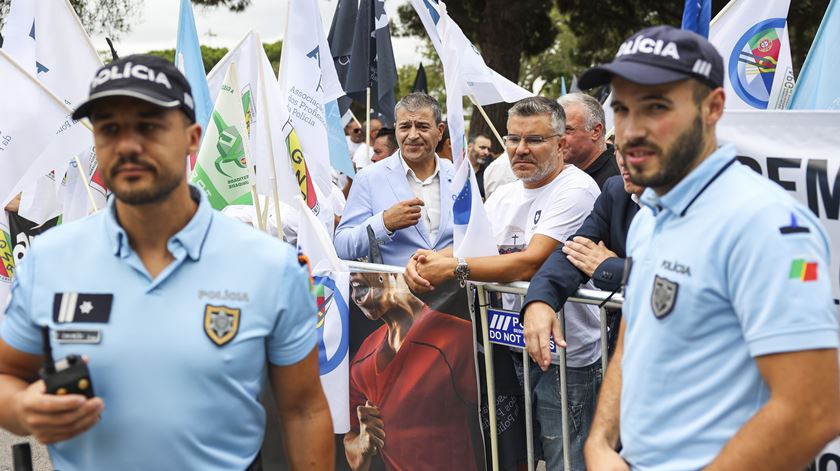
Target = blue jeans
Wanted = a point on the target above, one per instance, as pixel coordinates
(583, 384)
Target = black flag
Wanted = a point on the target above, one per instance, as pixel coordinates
(420, 83)
(341, 44)
(372, 63)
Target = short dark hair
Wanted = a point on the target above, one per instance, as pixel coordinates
(390, 135)
(476, 136)
(443, 138)
(700, 92)
(415, 101)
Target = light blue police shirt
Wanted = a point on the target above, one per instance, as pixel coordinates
(726, 267)
(179, 360)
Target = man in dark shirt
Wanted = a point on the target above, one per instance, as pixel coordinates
(586, 148)
(602, 235)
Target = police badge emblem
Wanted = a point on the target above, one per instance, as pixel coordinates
(664, 296)
(221, 323)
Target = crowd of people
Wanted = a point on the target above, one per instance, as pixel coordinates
(721, 357)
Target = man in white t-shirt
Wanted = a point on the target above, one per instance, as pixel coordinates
(530, 217)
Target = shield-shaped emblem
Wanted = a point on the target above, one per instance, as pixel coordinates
(664, 296)
(221, 323)
(537, 216)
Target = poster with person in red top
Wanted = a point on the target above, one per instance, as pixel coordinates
(413, 387)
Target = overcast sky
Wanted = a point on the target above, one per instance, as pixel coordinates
(157, 25)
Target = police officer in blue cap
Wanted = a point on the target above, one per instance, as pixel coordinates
(182, 312)
(727, 356)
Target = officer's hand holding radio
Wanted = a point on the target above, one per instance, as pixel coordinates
(62, 403)
(52, 418)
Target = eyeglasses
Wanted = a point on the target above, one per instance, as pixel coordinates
(513, 141)
(356, 131)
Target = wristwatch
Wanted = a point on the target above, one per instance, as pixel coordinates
(462, 271)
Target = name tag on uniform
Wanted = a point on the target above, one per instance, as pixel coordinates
(78, 336)
(82, 307)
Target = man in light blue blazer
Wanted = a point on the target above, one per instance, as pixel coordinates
(406, 198)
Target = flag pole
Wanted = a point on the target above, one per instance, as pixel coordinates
(256, 197)
(489, 123)
(367, 124)
(87, 185)
(353, 115)
(722, 11)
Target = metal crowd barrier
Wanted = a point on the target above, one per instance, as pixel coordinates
(582, 296)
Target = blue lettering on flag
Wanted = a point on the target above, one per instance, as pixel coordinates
(463, 204)
(432, 10)
(39, 67)
(315, 54)
(505, 329)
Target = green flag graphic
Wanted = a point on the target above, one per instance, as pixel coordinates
(221, 169)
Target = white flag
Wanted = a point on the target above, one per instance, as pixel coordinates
(484, 84)
(265, 113)
(752, 37)
(32, 120)
(307, 81)
(76, 203)
(221, 169)
(47, 39)
(331, 279)
(471, 224)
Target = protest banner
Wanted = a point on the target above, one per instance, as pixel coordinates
(799, 150)
(413, 366)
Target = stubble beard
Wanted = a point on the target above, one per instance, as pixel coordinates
(676, 162)
(163, 186)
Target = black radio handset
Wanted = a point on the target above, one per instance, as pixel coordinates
(68, 376)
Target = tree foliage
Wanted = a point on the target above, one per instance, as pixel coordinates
(505, 32)
(232, 5)
(114, 17)
(212, 55)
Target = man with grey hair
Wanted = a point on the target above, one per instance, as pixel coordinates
(530, 217)
(406, 199)
(586, 147)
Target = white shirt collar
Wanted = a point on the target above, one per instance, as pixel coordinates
(410, 173)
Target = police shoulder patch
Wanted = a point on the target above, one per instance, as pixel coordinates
(221, 323)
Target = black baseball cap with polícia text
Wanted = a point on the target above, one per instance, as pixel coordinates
(659, 55)
(144, 77)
